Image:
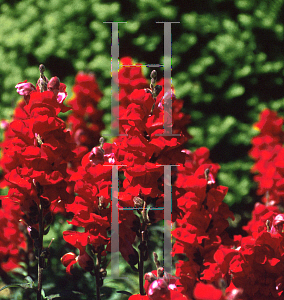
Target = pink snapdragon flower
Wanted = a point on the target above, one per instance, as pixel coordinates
(25, 88)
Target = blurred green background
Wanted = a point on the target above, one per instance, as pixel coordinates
(227, 64)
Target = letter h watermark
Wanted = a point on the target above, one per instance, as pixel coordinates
(167, 64)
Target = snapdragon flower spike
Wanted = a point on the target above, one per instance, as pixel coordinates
(201, 220)
(268, 153)
(85, 121)
(253, 268)
(143, 151)
(140, 156)
(39, 148)
(198, 210)
(257, 266)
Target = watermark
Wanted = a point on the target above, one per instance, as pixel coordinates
(167, 77)
(167, 99)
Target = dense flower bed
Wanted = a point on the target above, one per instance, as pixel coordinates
(55, 166)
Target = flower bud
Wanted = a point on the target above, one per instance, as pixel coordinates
(38, 140)
(4, 124)
(277, 224)
(153, 74)
(53, 84)
(25, 88)
(80, 137)
(86, 262)
(41, 68)
(67, 258)
(138, 202)
(101, 141)
(42, 81)
(101, 204)
(97, 156)
(160, 272)
(208, 176)
(103, 272)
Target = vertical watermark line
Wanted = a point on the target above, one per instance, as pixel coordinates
(167, 218)
(114, 224)
(114, 78)
(168, 116)
(168, 79)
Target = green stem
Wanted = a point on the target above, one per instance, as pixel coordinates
(97, 274)
(141, 273)
(142, 247)
(40, 245)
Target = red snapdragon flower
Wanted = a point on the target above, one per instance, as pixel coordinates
(13, 245)
(36, 151)
(83, 259)
(25, 88)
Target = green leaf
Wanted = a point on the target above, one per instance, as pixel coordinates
(46, 231)
(28, 285)
(124, 293)
(22, 285)
(22, 271)
(29, 279)
(234, 91)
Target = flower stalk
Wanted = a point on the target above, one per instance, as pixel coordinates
(99, 280)
(39, 250)
(143, 248)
